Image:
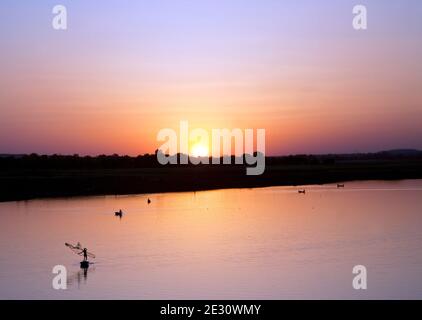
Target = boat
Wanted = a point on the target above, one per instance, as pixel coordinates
(81, 251)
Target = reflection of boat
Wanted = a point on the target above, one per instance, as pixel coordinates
(80, 277)
(302, 191)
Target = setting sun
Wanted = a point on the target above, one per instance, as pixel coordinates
(199, 150)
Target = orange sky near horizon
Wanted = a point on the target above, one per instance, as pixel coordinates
(109, 85)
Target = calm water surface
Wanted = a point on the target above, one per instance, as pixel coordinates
(269, 243)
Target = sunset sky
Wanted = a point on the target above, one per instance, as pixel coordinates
(125, 69)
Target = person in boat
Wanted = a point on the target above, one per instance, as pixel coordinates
(85, 252)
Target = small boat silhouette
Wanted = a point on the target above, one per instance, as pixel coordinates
(149, 201)
(81, 251)
(301, 191)
(340, 185)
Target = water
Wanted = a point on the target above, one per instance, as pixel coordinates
(269, 243)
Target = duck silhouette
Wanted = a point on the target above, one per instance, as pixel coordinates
(119, 213)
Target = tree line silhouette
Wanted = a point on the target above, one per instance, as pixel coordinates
(115, 161)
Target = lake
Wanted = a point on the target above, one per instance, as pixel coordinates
(268, 243)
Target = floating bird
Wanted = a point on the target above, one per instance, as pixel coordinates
(119, 213)
(149, 201)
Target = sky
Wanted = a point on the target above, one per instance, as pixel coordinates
(125, 69)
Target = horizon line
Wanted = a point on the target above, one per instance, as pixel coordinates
(397, 150)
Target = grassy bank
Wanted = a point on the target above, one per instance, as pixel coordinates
(37, 182)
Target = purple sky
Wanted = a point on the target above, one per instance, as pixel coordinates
(124, 69)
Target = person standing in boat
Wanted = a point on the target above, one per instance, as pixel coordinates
(85, 252)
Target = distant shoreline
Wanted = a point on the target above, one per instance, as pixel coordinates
(76, 196)
(42, 179)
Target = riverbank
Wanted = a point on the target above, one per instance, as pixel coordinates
(24, 184)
